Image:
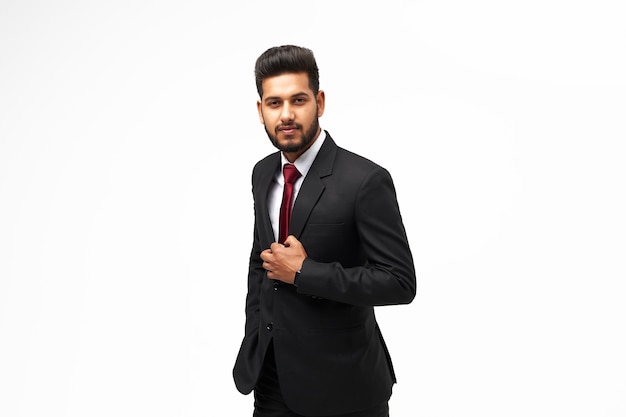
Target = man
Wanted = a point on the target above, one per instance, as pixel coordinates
(312, 346)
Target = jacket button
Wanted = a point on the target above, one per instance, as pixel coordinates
(276, 286)
(269, 326)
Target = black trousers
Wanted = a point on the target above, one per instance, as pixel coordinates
(268, 400)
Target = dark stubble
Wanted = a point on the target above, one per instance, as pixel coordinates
(307, 138)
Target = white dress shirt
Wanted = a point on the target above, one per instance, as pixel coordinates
(303, 165)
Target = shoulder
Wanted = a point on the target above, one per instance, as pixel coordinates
(356, 165)
(347, 155)
(339, 160)
(267, 164)
(357, 159)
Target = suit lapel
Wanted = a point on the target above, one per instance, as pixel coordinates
(265, 181)
(313, 186)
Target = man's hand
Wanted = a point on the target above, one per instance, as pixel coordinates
(283, 261)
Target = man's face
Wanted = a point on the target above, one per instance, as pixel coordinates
(290, 111)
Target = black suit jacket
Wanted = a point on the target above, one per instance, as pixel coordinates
(330, 354)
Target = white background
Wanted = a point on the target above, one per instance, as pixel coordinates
(128, 131)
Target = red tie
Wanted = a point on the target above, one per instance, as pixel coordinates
(291, 175)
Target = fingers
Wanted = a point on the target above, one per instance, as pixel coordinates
(268, 257)
(295, 246)
(266, 254)
(282, 261)
(276, 246)
(292, 241)
(279, 251)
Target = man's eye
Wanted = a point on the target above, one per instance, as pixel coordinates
(299, 100)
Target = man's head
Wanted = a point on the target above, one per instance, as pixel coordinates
(290, 102)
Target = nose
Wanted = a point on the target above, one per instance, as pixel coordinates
(286, 114)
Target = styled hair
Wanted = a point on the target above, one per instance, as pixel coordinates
(283, 60)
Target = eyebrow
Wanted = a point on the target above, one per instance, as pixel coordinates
(300, 94)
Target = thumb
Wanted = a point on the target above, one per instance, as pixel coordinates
(291, 241)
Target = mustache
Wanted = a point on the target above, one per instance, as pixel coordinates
(288, 126)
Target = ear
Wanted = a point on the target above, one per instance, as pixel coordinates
(258, 107)
(321, 100)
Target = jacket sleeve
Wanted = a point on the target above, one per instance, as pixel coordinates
(388, 275)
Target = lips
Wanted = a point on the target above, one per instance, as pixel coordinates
(288, 129)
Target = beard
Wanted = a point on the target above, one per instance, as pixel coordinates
(307, 138)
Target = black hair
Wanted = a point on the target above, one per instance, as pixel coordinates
(286, 59)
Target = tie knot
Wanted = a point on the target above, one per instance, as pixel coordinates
(291, 173)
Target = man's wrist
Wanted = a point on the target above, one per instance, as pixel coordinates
(295, 278)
